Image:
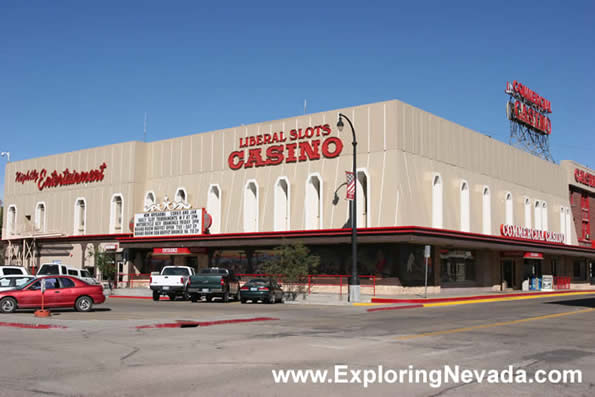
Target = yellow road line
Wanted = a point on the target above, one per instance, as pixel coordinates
(512, 298)
(465, 329)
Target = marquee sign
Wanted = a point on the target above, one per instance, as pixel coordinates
(529, 108)
(44, 179)
(171, 223)
(513, 231)
(584, 177)
(302, 145)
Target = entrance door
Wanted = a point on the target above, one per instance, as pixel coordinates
(508, 280)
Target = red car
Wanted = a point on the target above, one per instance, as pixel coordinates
(60, 291)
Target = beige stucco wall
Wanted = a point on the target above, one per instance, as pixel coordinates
(400, 147)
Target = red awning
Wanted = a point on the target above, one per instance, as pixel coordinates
(533, 255)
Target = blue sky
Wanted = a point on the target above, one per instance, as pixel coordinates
(78, 74)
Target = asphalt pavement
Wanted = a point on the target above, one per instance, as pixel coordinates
(119, 349)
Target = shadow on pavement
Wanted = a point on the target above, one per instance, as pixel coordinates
(586, 302)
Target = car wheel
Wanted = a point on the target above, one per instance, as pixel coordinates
(8, 305)
(243, 300)
(83, 304)
(172, 297)
(209, 298)
(226, 296)
(194, 298)
(155, 295)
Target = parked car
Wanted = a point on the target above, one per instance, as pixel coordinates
(213, 282)
(171, 282)
(264, 290)
(60, 291)
(83, 274)
(9, 270)
(13, 281)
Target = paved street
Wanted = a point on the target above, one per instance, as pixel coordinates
(105, 353)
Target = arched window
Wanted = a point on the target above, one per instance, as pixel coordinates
(116, 213)
(568, 227)
(527, 212)
(251, 207)
(80, 216)
(563, 222)
(313, 202)
(508, 209)
(40, 217)
(544, 216)
(282, 207)
(537, 215)
(465, 207)
(486, 211)
(363, 204)
(180, 195)
(437, 201)
(214, 208)
(149, 200)
(11, 222)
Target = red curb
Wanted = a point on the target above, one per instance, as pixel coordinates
(476, 297)
(163, 298)
(31, 326)
(377, 309)
(183, 324)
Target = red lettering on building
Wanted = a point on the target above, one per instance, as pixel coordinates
(584, 177)
(305, 147)
(43, 179)
(513, 231)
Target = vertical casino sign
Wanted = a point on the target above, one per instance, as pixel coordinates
(297, 145)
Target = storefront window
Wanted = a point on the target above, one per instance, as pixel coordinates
(457, 266)
(579, 271)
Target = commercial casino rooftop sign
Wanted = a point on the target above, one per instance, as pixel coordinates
(297, 145)
(45, 179)
(528, 108)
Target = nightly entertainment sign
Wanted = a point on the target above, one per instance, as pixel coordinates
(169, 223)
(46, 179)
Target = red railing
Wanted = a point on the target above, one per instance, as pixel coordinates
(339, 280)
(561, 282)
(132, 277)
(326, 280)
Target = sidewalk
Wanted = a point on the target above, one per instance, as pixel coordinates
(474, 296)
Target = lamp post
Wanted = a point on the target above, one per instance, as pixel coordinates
(354, 285)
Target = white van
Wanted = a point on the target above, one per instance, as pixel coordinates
(12, 270)
(83, 274)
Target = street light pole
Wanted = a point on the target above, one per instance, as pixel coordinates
(354, 285)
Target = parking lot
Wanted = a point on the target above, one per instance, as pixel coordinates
(116, 349)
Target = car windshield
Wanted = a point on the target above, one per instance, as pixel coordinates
(172, 271)
(258, 282)
(213, 270)
(85, 273)
(25, 284)
(49, 269)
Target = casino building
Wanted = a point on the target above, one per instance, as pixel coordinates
(493, 214)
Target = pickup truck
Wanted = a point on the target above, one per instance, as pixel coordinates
(213, 282)
(171, 282)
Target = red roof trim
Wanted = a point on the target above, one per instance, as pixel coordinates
(417, 230)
